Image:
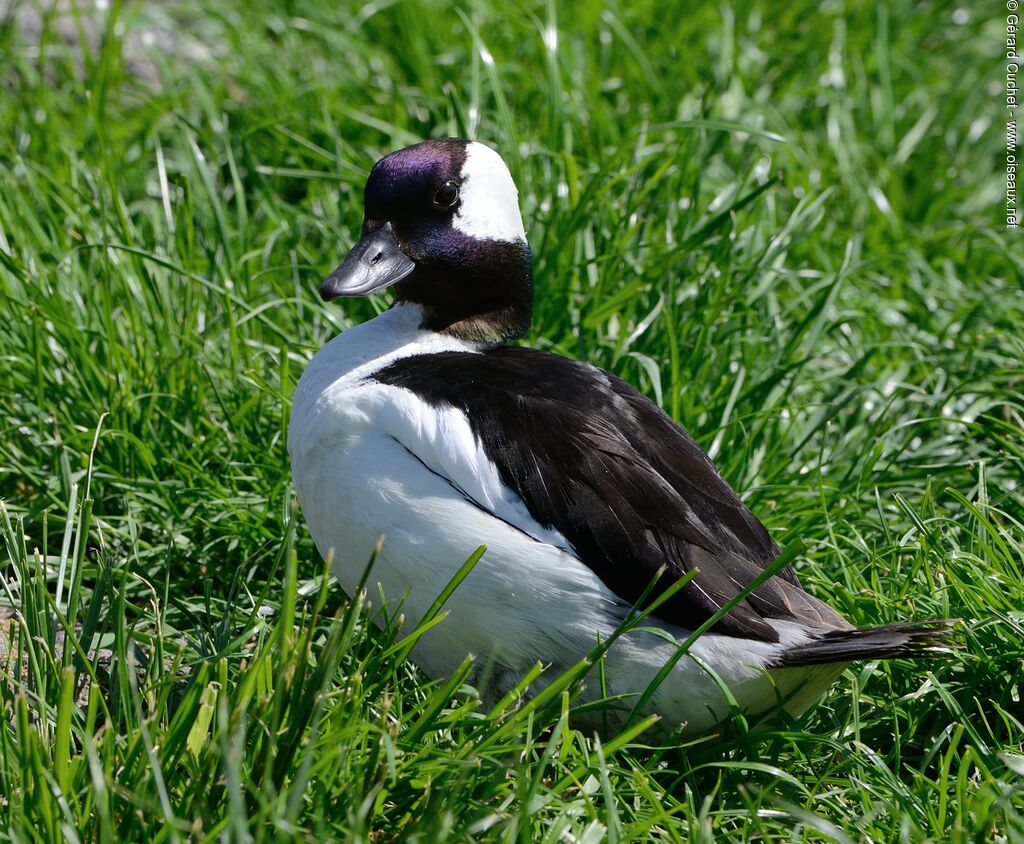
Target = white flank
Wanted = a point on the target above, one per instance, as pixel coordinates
(490, 201)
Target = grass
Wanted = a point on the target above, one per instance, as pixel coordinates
(782, 223)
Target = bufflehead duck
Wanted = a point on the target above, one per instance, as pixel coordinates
(423, 427)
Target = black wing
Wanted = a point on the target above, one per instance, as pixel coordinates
(607, 468)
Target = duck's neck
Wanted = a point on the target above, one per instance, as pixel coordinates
(487, 297)
(361, 350)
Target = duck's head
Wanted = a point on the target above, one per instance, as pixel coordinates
(442, 227)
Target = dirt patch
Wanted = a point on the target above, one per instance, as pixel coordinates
(158, 28)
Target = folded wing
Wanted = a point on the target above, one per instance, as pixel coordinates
(632, 492)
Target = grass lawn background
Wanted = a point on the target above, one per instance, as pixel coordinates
(782, 222)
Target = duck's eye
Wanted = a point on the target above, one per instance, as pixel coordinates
(447, 195)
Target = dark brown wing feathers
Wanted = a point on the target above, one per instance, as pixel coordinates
(603, 465)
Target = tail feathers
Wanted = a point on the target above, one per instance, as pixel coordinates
(913, 639)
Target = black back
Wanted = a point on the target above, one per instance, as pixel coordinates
(594, 459)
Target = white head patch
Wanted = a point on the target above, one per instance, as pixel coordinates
(490, 201)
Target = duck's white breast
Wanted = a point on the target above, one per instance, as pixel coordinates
(370, 460)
